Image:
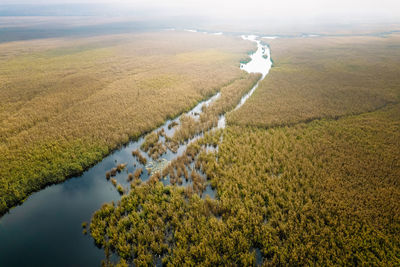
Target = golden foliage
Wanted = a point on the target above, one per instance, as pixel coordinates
(142, 159)
(324, 193)
(66, 103)
(324, 77)
(230, 96)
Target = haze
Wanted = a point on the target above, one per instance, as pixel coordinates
(385, 10)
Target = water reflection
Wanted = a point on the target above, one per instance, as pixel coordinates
(46, 230)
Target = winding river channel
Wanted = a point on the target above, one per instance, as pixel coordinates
(46, 230)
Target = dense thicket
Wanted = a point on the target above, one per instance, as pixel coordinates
(66, 103)
(229, 97)
(325, 192)
(324, 78)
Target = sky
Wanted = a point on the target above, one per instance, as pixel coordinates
(250, 9)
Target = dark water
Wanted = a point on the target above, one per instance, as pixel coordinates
(46, 230)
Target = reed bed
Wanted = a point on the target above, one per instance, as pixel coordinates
(324, 78)
(321, 189)
(67, 103)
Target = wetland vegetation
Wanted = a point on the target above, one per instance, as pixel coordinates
(81, 98)
(305, 171)
(317, 187)
(279, 191)
(229, 96)
(324, 78)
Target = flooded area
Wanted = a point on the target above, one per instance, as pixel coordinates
(46, 230)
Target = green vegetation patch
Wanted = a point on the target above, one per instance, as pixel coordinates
(323, 189)
(323, 193)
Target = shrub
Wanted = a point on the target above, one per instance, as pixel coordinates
(137, 173)
(121, 166)
(172, 125)
(141, 158)
(120, 189)
(113, 172)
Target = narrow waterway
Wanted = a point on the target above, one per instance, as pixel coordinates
(46, 229)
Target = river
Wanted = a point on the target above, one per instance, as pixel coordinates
(46, 230)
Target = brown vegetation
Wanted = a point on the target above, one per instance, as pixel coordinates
(113, 172)
(280, 191)
(157, 150)
(230, 96)
(137, 173)
(324, 78)
(179, 168)
(172, 125)
(121, 166)
(325, 192)
(149, 141)
(66, 103)
(141, 158)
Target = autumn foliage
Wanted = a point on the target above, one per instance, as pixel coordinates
(320, 189)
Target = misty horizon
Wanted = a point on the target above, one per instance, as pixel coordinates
(284, 12)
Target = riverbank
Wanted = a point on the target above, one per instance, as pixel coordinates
(62, 208)
(84, 97)
(324, 192)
